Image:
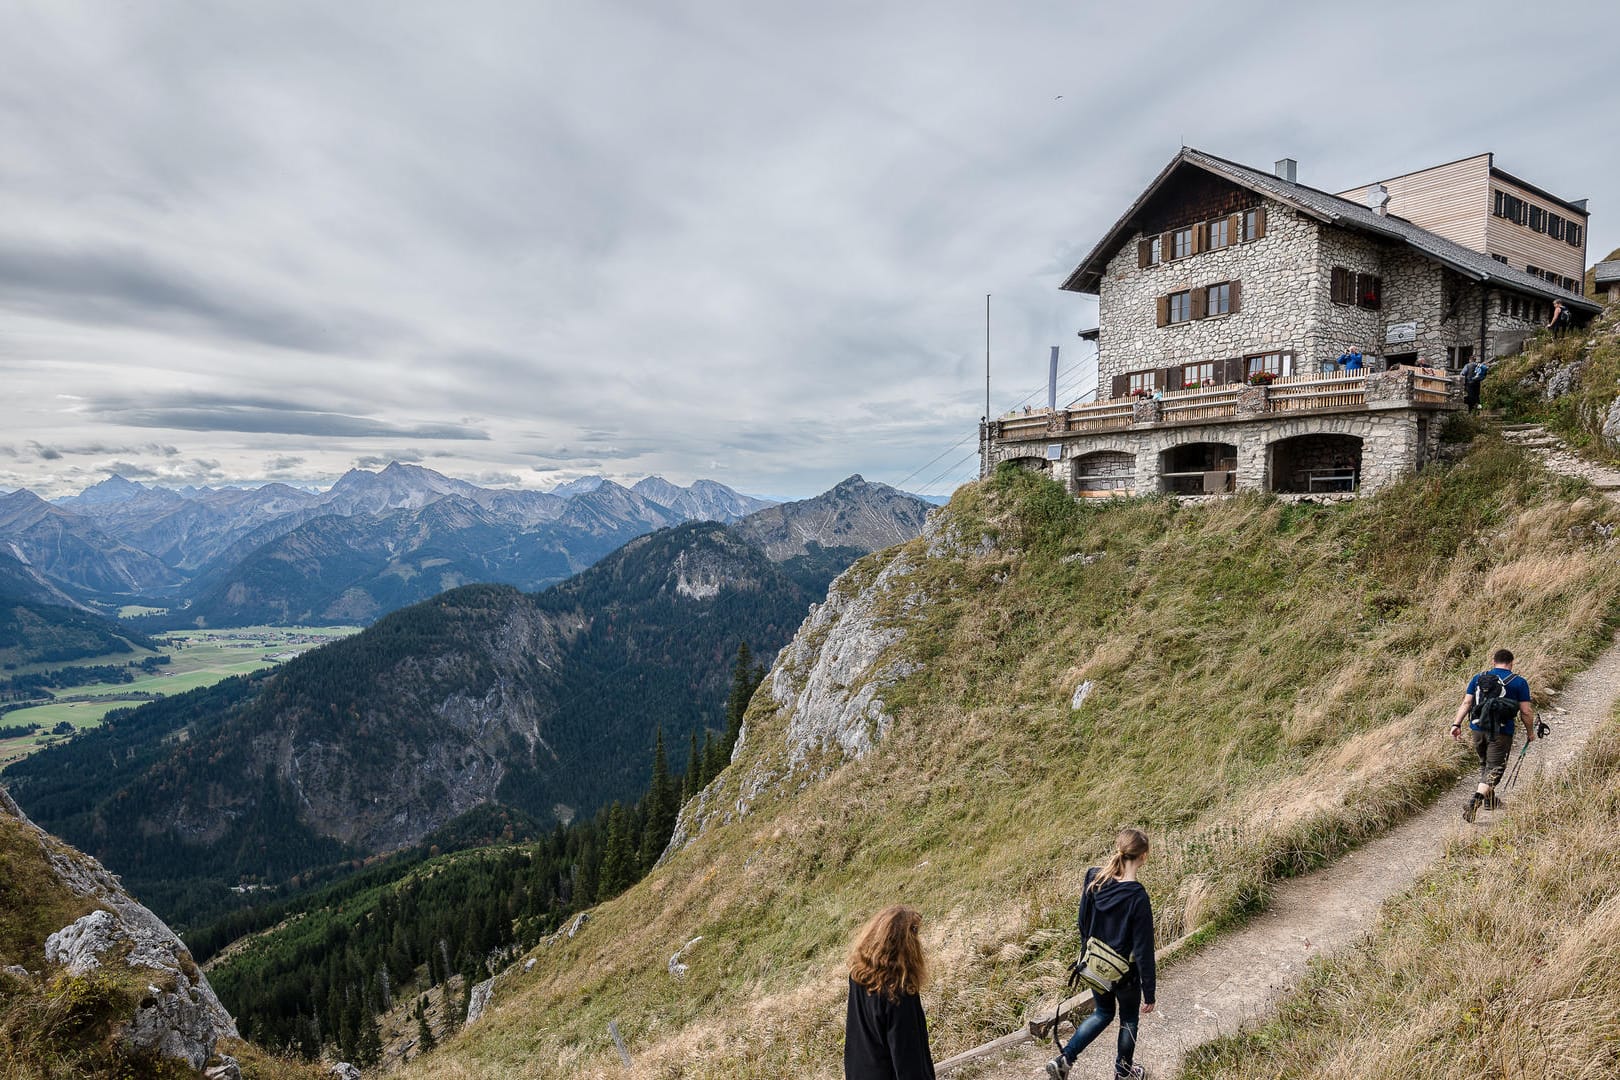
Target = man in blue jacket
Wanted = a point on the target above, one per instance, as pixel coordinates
(1492, 704)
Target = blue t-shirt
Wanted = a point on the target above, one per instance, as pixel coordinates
(1517, 690)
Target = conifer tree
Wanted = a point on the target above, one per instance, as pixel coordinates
(369, 1051)
(424, 1033)
(742, 688)
(660, 806)
(692, 781)
(618, 856)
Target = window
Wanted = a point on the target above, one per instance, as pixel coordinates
(1156, 251)
(1369, 291)
(1538, 219)
(1143, 381)
(1181, 243)
(1555, 226)
(1220, 233)
(1504, 301)
(1254, 224)
(1198, 374)
(1180, 307)
(1514, 310)
(1219, 299)
(1572, 234)
(1459, 356)
(1533, 271)
(1278, 363)
(1509, 207)
(1501, 259)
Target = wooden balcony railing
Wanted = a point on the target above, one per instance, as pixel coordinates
(1201, 403)
(1330, 390)
(1104, 416)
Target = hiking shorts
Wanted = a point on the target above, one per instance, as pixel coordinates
(1493, 753)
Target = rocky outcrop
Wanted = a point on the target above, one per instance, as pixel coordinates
(178, 1016)
(828, 685)
(854, 514)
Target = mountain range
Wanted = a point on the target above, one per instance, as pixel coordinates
(370, 544)
(545, 702)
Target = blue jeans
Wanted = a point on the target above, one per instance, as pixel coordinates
(1128, 999)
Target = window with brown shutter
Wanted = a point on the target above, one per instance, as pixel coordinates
(1122, 385)
(1178, 307)
(1342, 288)
(1217, 299)
(1164, 310)
(1254, 223)
(1219, 232)
(1369, 291)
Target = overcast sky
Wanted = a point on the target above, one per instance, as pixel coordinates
(519, 242)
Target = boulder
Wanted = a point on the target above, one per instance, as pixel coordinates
(344, 1071)
(479, 1000)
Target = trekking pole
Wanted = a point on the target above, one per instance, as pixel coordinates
(1542, 731)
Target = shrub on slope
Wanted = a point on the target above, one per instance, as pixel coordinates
(1270, 684)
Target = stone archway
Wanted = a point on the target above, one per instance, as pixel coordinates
(1198, 468)
(1316, 463)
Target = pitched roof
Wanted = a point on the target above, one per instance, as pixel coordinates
(1606, 273)
(1328, 209)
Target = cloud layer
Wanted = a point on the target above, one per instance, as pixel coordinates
(753, 241)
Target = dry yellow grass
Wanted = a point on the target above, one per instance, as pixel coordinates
(1271, 683)
(1499, 965)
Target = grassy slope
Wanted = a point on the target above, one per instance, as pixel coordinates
(1270, 684)
(1500, 963)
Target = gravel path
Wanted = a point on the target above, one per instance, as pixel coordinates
(1239, 978)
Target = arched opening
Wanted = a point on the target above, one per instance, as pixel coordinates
(1105, 473)
(1316, 463)
(1198, 469)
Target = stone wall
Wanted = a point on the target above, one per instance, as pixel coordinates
(1395, 442)
(1287, 303)
(1277, 272)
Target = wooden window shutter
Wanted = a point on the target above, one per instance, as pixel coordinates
(1200, 302)
(1172, 378)
(1144, 254)
(1122, 385)
(1200, 237)
(1167, 246)
(1235, 372)
(1164, 311)
(1237, 296)
(1259, 222)
(1234, 229)
(1340, 291)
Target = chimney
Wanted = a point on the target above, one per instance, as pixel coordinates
(1378, 199)
(1287, 168)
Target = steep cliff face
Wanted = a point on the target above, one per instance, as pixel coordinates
(114, 970)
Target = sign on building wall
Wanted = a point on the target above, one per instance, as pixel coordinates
(1054, 451)
(1400, 332)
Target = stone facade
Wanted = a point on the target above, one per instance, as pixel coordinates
(1287, 305)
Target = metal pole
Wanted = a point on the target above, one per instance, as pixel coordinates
(613, 1030)
(987, 358)
(1051, 382)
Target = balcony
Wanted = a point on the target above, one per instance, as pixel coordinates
(1329, 392)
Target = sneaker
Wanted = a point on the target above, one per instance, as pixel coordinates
(1136, 1073)
(1472, 807)
(1058, 1068)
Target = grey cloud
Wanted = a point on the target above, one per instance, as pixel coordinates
(112, 285)
(283, 463)
(264, 415)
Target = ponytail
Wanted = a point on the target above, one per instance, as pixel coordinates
(1130, 844)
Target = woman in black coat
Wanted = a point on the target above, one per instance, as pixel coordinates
(886, 1034)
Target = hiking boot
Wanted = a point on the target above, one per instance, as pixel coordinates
(1471, 808)
(1058, 1068)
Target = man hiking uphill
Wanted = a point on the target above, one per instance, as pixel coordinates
(1116, 955)
(1492, 705)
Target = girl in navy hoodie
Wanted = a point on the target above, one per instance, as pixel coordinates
(1114, 908)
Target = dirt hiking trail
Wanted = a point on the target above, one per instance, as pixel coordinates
(1239, 977)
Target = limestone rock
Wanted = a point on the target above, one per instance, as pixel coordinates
(479, 1001)
(227, 1069)
(179, 1016)
(344, 1071)
(1611, 424)
(16, 970)
(678, 967)
(1561, 381)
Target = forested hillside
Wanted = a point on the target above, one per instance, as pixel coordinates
(920, 742)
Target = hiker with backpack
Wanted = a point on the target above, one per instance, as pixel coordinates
(1473, 374)
(1116, 956)
(885, 1032)
(1492, 705)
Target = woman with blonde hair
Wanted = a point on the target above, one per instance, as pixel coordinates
(1116, 930)
(885, 1034)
